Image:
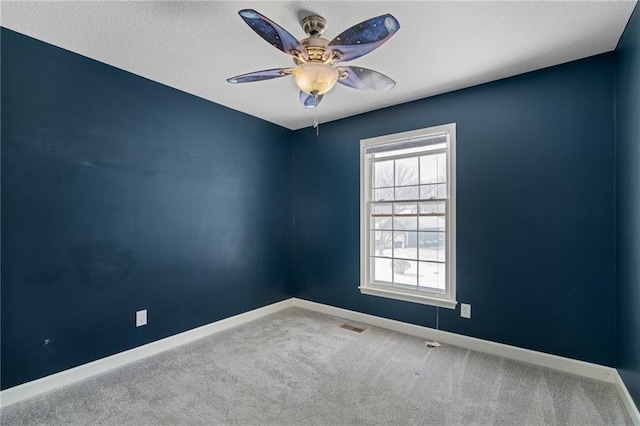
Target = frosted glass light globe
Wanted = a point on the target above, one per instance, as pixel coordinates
(315, 78)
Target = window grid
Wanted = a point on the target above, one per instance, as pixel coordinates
(420, 261)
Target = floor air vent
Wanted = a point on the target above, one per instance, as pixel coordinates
(352, 328)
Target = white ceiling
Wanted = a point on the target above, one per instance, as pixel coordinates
(441, 46)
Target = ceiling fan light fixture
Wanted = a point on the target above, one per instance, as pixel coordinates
(315, 78)
(314, 73)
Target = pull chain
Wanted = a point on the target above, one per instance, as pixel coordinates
(316, 124)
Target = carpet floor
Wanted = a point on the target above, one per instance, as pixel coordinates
(299, 367)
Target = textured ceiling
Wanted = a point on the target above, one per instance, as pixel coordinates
(441, 46)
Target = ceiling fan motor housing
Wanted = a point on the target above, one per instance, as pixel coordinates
(315, 47)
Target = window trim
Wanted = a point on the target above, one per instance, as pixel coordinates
(366, 286)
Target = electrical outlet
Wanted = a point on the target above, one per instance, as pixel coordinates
(465, 310)
(141, 318)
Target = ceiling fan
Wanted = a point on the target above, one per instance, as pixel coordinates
(315, 71)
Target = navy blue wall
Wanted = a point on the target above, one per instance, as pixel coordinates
(120, 194)
(628, 204)
(535, 209)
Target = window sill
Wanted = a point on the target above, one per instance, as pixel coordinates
(425, 300)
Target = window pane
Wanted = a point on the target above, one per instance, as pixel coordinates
(381, 209)
(431, 223)
(382, 271)
(405, 273)
(432, 246)
(381, 223)
(381, 243)
(405, 245)
(407, 171)
(405, 208)
(382, 173)
(432, 277)
(432, 216)
(385, 194)
(407, 193)
(433, 191)
(433, 168)
(405, 223)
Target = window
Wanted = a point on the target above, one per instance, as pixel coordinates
(408, 210)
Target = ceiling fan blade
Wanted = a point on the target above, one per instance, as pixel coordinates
(309, 101)
(364, 37)
(260, 75)
(364, 79)
(272, 32)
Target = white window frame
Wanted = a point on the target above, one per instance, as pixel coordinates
(448, 299)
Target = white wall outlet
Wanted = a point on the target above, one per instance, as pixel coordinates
(141, 318)
(465, 310)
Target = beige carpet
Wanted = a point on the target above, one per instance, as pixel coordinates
(299, 367)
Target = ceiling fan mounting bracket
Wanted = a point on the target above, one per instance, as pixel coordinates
(314, 25)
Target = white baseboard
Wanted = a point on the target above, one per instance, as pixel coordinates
(555, 362)
(66, 377)
(632, 409)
